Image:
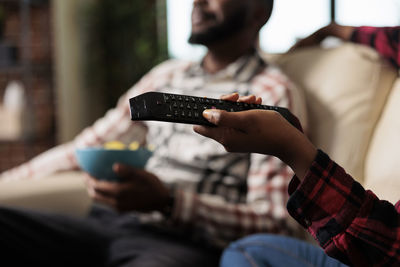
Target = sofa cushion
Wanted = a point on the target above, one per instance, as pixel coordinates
(63, 192)
(382, 170)
(345, 90)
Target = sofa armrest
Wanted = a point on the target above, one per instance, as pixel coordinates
(61, 193)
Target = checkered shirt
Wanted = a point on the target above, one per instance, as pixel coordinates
(219, 196)
(351, 224)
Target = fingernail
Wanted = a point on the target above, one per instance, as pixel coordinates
(211, 115)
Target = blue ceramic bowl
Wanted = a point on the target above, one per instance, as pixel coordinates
(98, 162)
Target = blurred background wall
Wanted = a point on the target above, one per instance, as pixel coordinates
(27, 124)
(63, 63)
(71, 59)
(119, 41)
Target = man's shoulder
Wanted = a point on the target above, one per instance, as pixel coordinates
(171, 66)
(283, 91)
(268, 65)
(272, 72)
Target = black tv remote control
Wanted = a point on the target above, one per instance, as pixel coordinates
(187, 109)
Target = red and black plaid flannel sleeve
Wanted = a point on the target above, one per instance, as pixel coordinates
(385, 40)
(350, 223)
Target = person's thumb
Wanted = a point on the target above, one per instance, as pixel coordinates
(222, 118)
(126, 171)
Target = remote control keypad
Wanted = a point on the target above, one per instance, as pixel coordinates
(188, 109)
(193, 107)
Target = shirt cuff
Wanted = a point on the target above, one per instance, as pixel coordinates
(327, 200)
(362, 35)
(298, 190)
(354, 36)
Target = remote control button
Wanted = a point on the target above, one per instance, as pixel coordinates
(166, 98)
(188, 109)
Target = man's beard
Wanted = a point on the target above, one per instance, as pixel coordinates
(222, 31)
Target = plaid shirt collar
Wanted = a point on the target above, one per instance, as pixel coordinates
(241, 70)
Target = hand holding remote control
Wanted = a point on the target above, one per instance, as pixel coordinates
(187, 109)
(259, 131)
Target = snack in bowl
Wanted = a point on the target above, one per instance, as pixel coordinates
(98, 161)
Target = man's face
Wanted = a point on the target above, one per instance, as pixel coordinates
(215, 20)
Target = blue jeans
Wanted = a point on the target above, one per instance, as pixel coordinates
(274, 250)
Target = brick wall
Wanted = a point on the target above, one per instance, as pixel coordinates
(34, 67)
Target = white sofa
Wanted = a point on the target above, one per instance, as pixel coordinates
(351, 98)
(61, 193)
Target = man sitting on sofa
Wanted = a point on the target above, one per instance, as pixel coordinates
(207, 196)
